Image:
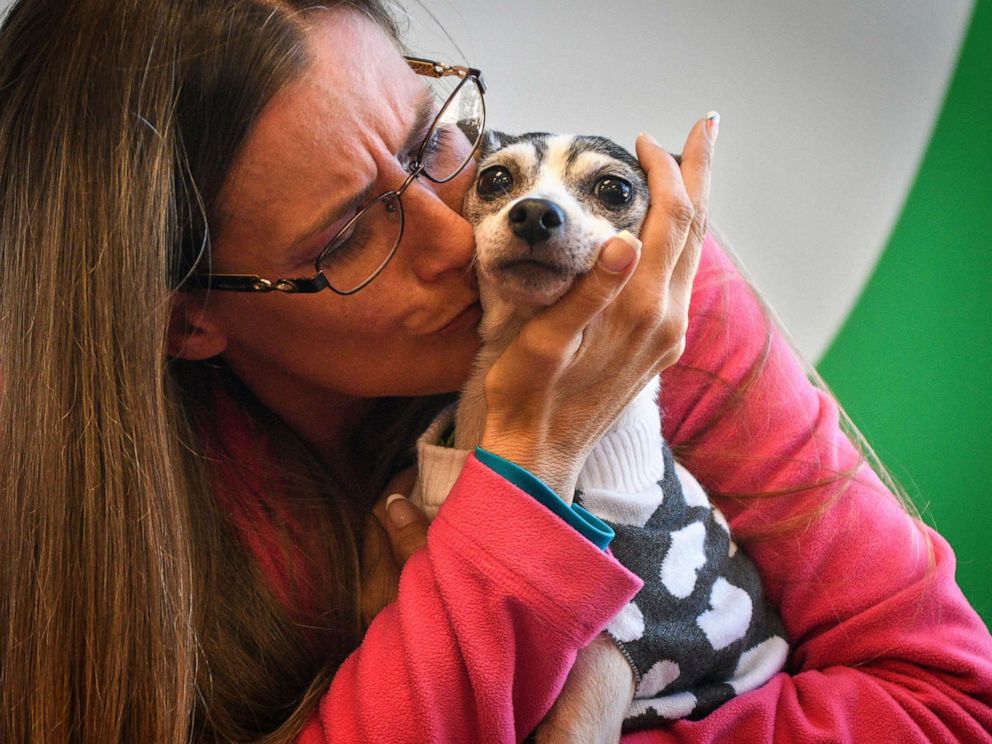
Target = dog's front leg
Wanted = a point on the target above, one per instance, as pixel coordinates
(594, 700)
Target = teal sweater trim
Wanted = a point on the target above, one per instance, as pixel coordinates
(587, 524)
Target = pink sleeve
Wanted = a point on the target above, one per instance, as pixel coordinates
(884, 645)
(487, 623)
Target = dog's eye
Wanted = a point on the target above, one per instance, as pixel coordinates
(493, 181)
(613, 191)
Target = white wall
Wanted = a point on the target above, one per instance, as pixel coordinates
(826, 108)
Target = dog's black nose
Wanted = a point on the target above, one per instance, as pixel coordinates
(534, 220)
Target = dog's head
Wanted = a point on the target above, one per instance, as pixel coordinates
(543, 205)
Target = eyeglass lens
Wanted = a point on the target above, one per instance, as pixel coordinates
(456, 131)
(366, 244)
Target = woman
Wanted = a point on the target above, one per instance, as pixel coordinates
(189, 472)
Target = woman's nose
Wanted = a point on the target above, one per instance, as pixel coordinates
(438, 238)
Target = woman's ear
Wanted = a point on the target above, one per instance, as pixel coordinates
(192, 335)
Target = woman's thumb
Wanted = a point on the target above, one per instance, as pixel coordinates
(597, 288)
(620, 251)
(406, 526)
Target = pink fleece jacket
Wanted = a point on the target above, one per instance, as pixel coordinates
(490, 615)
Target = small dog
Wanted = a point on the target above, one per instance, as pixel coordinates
(699, 631)
(542, 206)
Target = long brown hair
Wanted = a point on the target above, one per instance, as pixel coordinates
(130, 610)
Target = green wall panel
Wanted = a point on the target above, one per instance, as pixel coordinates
(913, 362)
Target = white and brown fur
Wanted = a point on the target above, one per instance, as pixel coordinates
(517, 278)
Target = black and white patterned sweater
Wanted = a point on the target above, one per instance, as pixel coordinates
(700, 631)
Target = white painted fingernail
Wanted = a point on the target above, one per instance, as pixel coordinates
(630, 239)
(713, 124)
(403, 513)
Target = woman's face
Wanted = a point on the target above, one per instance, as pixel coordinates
(343, 129)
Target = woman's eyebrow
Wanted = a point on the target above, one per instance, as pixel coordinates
(423, 118)
(426, 111)
(335, 214)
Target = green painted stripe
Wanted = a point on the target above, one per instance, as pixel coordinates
(913, 362)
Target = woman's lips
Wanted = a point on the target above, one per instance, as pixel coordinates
(467, 318)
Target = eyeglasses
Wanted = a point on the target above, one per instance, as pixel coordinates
(361, 249)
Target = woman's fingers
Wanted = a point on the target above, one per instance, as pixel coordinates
(405, 524)
(680, 192)
(406, 527)
(394, 532)
(669, 215)
(675, 225)
(696, 167)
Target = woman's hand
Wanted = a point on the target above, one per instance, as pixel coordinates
(575, 366)
(391, 536)
(594, 700)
